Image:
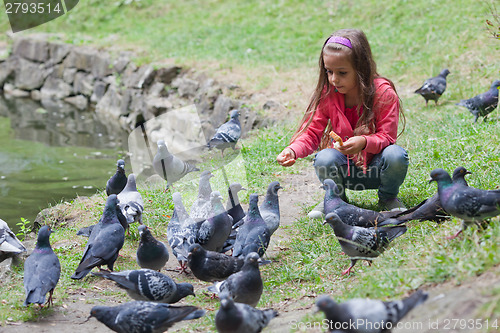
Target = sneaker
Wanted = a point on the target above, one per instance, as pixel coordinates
(393, 205)
(317, 212)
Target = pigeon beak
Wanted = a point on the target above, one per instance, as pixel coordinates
(430, 180)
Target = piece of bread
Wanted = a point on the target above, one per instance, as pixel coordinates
(336, 138)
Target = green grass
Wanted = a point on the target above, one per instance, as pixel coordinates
(411, 41)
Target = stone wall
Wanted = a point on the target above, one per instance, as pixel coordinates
(122, 94)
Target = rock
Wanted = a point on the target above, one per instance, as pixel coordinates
(69, 75)
(98, 91)
(166, 75)
(141, 78)
(36, 95)
(58, 52)
(121, 63)
(83, 83)
(101, 65)
(29, 75)
(55, 88)
(7, 69)
(158, 105)
(31, 49)
(185, 87)
(80, 58)
(80, 102)
(157, 89)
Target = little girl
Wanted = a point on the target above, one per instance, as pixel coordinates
(363, 108)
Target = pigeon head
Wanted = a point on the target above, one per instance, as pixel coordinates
(236, 187)
(496, 84)
(215, 197)
(252, 259)
(131, 184)
(325, 302)
(43, 237)
(195, 249)
(185, 289)
(234, 114)
(206, 174)
(445, 72)
(121, 165)
(253, 207)
(440, 176)
(332, 219)
(459, 173)
(330, 187)
(143, 231)
(226, 302)
(104, 314)
(162, 148)
(274, 187)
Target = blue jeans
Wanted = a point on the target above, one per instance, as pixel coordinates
(386, 172)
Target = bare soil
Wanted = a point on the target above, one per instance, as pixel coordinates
(447, 301)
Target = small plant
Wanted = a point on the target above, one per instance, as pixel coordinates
(24, 228)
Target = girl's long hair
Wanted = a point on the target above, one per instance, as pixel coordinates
(366, 70)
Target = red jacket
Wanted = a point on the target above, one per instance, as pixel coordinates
(385, 106)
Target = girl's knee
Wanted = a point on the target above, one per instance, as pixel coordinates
(328, 157)
(395, 155)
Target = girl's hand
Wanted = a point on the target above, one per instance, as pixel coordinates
(286, 158)
(353, 145)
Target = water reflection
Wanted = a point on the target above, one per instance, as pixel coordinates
(50, 152)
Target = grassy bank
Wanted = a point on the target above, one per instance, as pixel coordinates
(262, 47)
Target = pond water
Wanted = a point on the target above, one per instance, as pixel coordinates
(49, 153)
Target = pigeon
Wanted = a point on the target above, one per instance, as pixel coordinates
(10, 246)
(104, 243)
(235, 317)
(470, 204)
(482, 104)
(201, 209)
(253, 233)
(148, 285)
(144, 317)
(362, 243)
(214, 231)
(244, 286)
(41, 270)
(151, 253)
(270, 208)
(431, 209)
(130, 201)
(350, 214)
(233, 205)
(86, 231)
(434, 87)
(170, 167)
(182, 231)
(365, 315)
(228, 134)
(212, 266)
(117, 182)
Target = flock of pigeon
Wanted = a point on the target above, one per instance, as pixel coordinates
(201, 238)
(480, 105)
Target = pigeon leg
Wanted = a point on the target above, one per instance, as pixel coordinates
(348, 271)
(455, 235)
(49, 300)
(182, 268)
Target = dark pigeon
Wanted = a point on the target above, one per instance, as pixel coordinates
(365, 315)
(149, 285)
(253, 233)
(201, 209)
(270, 208)
(228, 134)
(151, 253)
(212, 266)
(143, 317)
(244, 286)
(86, 231)
(182, 231)
(482, 104)
(470, 204)
(117, 182)
(104, 243)
(170, 167)
(10, 246)
(41, 270)
(235, 317)
(362, 243)
(431, 209)
(233, 205)
(214, 232)
(434, 87)
(350, 214)
(130, 201)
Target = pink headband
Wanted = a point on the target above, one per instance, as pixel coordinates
(339, 40)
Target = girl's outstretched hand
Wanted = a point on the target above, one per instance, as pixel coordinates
(353, 145)
(286, 158)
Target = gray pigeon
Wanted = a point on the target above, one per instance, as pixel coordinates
(201, 209)
(253, 233)
(365, 315)
(182, 231)
(244, 286)
(434, 87)
(151, 253)
(233, 205)
(362, 243)
(235, 317)
(228, 134)
(214, 231)
(212, 266)
(104, 243)
(170, 167)
(130, 201)
(117, 182)
(10, 246)
(431, 209)
(470, 204)
(149, 285)
(482, 104)
(144, 317)
(41, 270)
(350, 214)
(270, 208)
